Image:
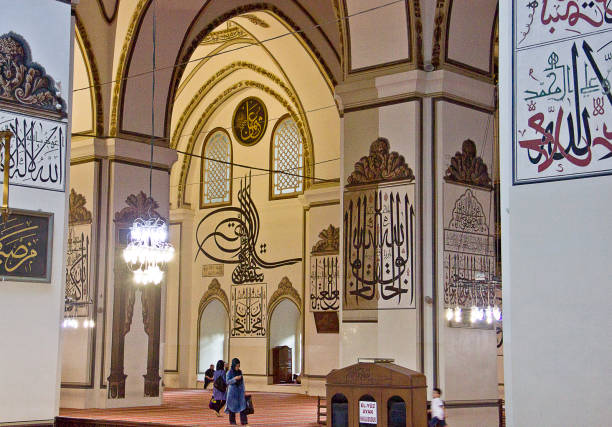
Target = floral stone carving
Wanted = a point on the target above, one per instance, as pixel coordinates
(468, 168)
(24, 82)
(380, 165)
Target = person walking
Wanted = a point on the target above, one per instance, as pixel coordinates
(219, 388)
(236, 401)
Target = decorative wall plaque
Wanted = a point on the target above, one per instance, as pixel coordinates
(248, 311)
(468, 245)
(250, 121)
(324, 292)
(562, 98)
(378, 250)
(38, 151)
(78, 260)
(212, 270)
(25, 246)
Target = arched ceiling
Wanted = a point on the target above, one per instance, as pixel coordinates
(231, 63)
(180, 28)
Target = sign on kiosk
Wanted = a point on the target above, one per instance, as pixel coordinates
(367, 412)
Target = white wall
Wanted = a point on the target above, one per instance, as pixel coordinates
(556, 267)
(30, 313)
(285, 330)
(213, 339)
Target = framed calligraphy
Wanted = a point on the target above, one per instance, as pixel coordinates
(378, 251)
(38, 151)
(561, 90)
(26, 246)
(250, 121)
(248, 311)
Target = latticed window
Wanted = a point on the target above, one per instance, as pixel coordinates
(287, 156)
(217, 176)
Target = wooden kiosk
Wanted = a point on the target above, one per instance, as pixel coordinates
(380, 393)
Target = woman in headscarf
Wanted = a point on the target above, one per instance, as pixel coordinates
(218, 396)
(236, 402)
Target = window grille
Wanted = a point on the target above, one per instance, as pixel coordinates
(287, 156)
(217, 176)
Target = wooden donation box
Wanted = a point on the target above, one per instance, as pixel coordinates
(281, 365)
(382, 394)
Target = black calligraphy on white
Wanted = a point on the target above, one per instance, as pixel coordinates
(324, 292)
(378, 249)
(38, 151)
(468, 245)
(248, 310)
(77, 269)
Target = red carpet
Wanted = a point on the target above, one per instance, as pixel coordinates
(190, 408)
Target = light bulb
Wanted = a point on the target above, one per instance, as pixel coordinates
(449, 314)
(457, 314)
(65, 323)
(489, 314)
(496, 313)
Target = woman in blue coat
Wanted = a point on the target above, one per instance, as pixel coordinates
(236, 402)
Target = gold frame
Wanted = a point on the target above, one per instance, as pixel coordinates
(265, 127)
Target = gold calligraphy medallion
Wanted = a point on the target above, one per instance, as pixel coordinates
(250, 121)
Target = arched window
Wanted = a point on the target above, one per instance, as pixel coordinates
(216, 176)
(287, 156)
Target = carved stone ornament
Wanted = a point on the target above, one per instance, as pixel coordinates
(214, 291)
(285, 290)
(468, 168)
(77, 212)
(329, 242)
(24, 82)
(380, 166)
(138, 206)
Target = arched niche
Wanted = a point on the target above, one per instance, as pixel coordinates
(213, 328)
(339, 411)
(285, 325)
(396, 412)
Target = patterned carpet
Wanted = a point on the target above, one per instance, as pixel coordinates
(190, 408)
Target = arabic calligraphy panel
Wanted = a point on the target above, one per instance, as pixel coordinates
(38, 151)
(469, 245)
(562, 91)
(541, 21)
(25, 246)
(250, 121)
(379, 226)
(324, 292)
(78, 269)
(248, 311)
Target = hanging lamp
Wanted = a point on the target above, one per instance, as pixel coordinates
(148, 250)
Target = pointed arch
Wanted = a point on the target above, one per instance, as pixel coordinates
(93, 76)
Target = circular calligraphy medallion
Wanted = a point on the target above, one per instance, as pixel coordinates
(250, 121)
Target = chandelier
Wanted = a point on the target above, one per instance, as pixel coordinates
(148, 250)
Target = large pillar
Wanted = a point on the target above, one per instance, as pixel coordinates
(125, 350)
(437, 128)
(555, 228)
(36, 108)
